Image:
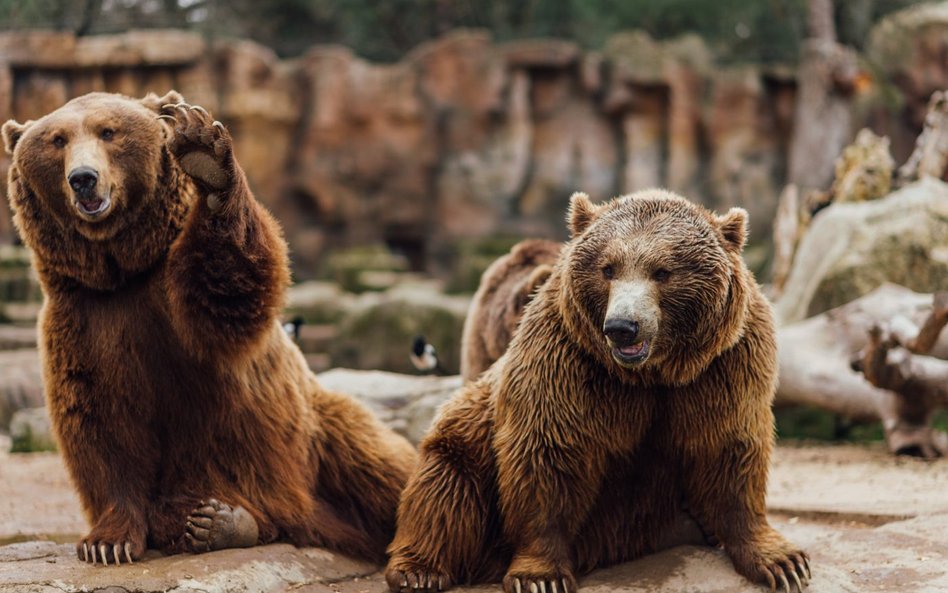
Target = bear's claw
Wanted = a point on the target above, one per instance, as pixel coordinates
(201, 145)
(417, 581)
(93, 554)
(533, 585)
(796, 567)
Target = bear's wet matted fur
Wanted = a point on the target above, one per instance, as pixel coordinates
(187, 418)
(639, 383)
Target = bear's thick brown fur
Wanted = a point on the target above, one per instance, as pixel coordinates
(506, 287)
(639, 382)
(187, 418)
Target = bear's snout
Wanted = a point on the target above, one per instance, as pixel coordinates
(631, 320)
(83, 180)
(621, 332)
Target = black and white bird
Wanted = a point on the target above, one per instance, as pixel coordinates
(292, 327)
(424, 357)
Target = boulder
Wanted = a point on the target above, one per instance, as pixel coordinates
(21, 383)
(378, 330)
(31, 431)
(407, 404)
(852, 248)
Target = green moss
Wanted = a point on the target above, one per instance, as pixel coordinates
(351, 268)
(808, 423)
(25, 442)
(380, 336)
(470, 259)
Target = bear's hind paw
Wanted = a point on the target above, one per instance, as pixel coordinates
(216, 525)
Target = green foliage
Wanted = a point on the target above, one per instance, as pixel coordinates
(740, 30)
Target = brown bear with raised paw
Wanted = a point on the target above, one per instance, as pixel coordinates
(186, 417)
(506, 287)
(638, 383)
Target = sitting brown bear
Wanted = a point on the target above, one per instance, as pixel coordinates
(187, 418)
(639, 382)
(505, 289)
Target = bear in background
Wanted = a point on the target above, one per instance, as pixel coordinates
(638, 383)
(506, 287)
(187, 418)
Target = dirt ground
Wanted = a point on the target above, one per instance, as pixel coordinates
(871, 522)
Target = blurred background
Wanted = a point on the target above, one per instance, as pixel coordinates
(404, 145)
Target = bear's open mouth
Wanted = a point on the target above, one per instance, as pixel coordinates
(631, 354)
(93, 207)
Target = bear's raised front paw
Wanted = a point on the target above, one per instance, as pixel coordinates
(410, 577)
(560, 581)
(201, 144)
(93, 550)
(216, 525)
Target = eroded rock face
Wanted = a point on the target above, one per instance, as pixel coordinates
(466, 137)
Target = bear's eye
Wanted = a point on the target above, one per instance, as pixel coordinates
(661, 275)
(59, 141)
(107, 134)
(608, 272)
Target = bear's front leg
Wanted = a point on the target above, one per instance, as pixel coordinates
(547, 489)
(726, 492)
(228, 270)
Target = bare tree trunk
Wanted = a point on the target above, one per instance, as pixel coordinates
(819, 20)
(786, 237)
(823, 122)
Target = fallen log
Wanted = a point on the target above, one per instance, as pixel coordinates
(816, 365)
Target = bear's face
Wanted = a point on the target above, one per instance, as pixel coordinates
(92, 161)
(652, 276)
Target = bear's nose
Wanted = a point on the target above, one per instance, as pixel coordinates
(83, 179)
(621, 332)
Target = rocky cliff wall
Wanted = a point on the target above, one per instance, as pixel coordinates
(464, 137)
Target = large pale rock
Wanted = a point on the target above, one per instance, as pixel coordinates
(852, 248)
(405, 403)
(31, 431)
(21, 383)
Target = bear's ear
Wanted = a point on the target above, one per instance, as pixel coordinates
(581, 213)
(733, 227)
(154, 102)
(12, 132)
(530, 285)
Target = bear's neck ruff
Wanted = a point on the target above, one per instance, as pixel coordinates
(66, 260)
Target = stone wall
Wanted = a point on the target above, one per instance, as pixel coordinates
(461, 139)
